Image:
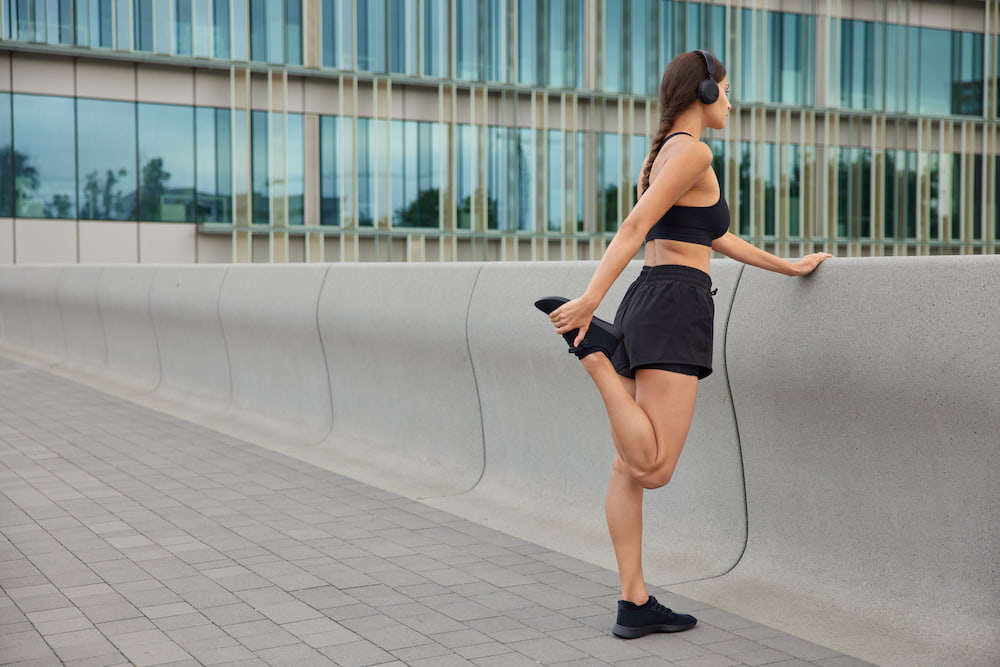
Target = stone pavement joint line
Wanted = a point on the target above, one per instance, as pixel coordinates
(130, 537)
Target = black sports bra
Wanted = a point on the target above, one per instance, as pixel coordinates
(692, 224)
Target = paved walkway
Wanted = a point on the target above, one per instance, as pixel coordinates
(132, 537)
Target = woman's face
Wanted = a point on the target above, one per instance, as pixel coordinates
(718, 111)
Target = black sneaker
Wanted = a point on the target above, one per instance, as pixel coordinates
(602, 336)
(640, 620)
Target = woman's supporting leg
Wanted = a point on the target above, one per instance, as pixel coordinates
(623, 509)
(650, 426)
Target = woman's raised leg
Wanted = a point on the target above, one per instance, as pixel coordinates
(649, 428)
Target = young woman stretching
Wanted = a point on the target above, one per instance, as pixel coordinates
(647, 364)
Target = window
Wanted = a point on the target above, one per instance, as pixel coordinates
(338, 34)
(418, 174)
(915, 70)
(106, 157)
(214, 195)
(7, 159)
(275, 31)
(44, 157)
(166, 163)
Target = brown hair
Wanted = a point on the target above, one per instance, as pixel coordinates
(678, 91)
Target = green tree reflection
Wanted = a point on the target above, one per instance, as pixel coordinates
(18, 178)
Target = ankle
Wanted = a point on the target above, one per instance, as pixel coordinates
(638, 598)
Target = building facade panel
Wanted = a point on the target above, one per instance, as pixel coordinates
(502, 129)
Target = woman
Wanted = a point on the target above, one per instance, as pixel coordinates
(647, 364)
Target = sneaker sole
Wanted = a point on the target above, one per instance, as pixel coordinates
(626, 632)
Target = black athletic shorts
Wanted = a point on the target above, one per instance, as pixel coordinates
(667, 315)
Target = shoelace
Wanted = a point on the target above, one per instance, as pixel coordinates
(660, 609)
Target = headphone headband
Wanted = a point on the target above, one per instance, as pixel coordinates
(708, 90)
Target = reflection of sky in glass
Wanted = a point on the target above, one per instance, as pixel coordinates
(167, 132)
(106, 143)
(45, 133)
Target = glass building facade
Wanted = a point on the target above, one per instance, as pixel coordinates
(329, 130)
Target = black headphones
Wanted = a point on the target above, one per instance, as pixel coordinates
(708, 90)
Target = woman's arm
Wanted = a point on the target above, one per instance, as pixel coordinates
(685, 168)
(733, 246)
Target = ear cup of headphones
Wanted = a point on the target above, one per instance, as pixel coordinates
(708, 91)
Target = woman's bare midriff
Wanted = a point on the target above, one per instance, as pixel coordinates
(662, 251)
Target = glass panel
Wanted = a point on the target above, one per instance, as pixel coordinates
(565, 40)
(900, 194)
(529, 38)
(640, 149)
(365, 172)
(856, 65)
(556, 185)
(7, 158)
(260, 167)
(793, 160)
(497, 63)
(106, 156)
(468, 65)
(239, 35)
(338, 34)
(581, 180)
(214, 196)
(293, 33)
(371, 35)
(183, 38)
(295, 176)
(201, 29)
(854, 193)
(968, 91)
(220, 30)
(44, 158)
(403, 37)
(123, 23)
(745, 189)
(144, 25)
(329, 201)
(791, 58)
(608, 168)
(166, 163)
(258, 30)
(436, 39)
(641, 61)
(417, 174)
(525, 168)
(767, 172)
(930, 71)
(465, 170)
(94, 24)
(614, 56)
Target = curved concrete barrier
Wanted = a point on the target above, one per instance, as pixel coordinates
(194, 361)
(83, 331)
(276, 359)
(867, 399)
(41, 287)
(548, 449)
(15, 316)
(133, 356)
(402, 383)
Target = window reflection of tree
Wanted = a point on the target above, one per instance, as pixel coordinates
(102, 200)
(18, 176)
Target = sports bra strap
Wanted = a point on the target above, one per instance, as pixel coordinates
(670, 136)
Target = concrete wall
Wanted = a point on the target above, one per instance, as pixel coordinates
(841, 470)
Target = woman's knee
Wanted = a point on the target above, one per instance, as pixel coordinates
(656, 478)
